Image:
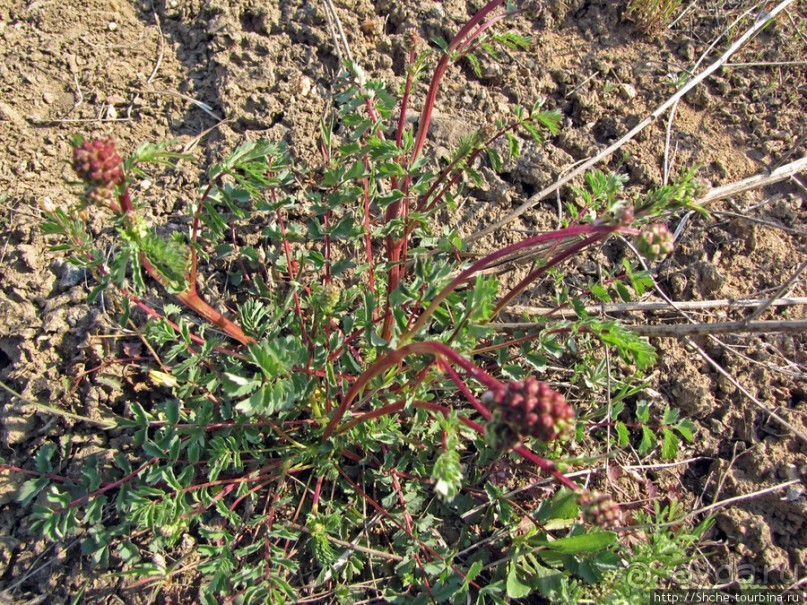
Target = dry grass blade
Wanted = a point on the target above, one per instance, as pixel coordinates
(46, 409)
(773, 415)
(790, 283)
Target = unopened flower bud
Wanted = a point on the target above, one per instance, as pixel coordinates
(599, 509)
(655, 241)
(411, 40)
(46, 205)
(330, 297)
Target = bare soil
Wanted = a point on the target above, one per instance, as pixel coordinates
(216, 73)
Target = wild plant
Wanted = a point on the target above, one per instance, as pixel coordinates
(340, 434)
(651, 16)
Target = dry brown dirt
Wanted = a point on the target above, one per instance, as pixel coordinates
(138, 72)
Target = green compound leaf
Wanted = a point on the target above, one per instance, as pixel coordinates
(648, 441)
(622, 434)
(586, 543)
(236, 386)
(447, 475)
(669, 445)
(562, 505)
(31, 489)
(687, 429)
(516, 588)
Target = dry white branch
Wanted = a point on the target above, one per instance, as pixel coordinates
(680, 330)
(726, 327)
(757, 181)
(713, 363)
(642, 307)
(782, 291)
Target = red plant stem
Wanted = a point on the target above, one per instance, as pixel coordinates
(545, 465)
(257, 488)
(535, 274)
(422, 202)
(24, 471)
(466, 392)
(195, 235)
(395, 357)
(405, 99)
(524, 452)
(512, 342)
(439, 72)
(189, 298)
(334, 355)
(396, 485)
(394, 209)
(270, 519)
(108, 487)
(290, 267)
(559, 234)
(192, 300)
(197, 339)
(200, 508)
(326, 226)
(317, 492)
(465, 47)
(368, 236)
(125, 201)
(152, 313)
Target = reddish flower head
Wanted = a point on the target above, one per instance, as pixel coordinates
(599, 509)
(531, 408)
(97, 163)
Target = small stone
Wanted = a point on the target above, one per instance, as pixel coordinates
(305, 86)
(722, 87)
(70, 275)
(793, 494)
(627, 91)
(698, 97)
(687, 51)
(48, 97)
(112, 26)
(436, 11)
